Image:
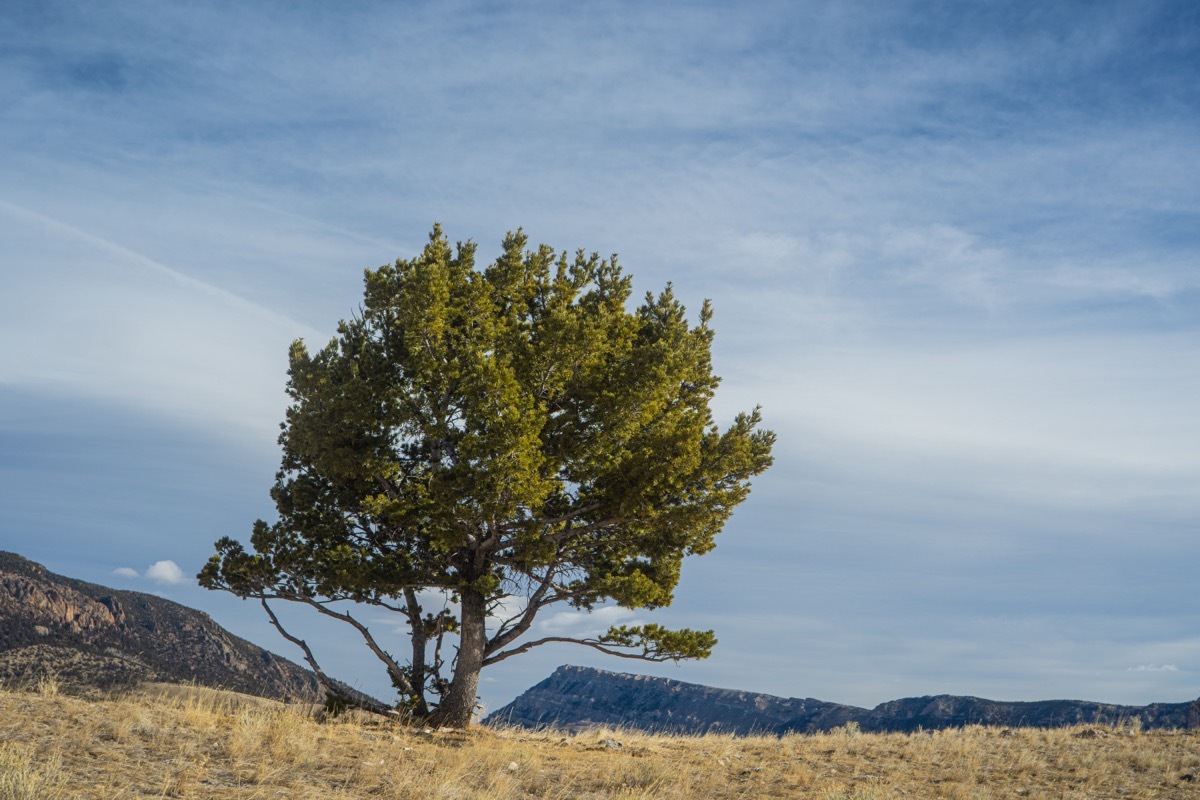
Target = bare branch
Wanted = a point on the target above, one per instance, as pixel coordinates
(394, 670)
(388, 488)
(567, 534)
(593, 643)
(548, 521)
(331, 686)
(506, 635)
(308, 653)
(388, 606)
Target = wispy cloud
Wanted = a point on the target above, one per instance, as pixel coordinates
(121, 327)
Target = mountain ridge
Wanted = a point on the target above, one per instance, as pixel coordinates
(86, 634)
(576, 698)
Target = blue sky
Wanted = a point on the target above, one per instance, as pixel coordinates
(953, 249)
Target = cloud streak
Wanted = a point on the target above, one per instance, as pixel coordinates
(122, 327)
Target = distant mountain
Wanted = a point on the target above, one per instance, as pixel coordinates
(580, 697)
(91, 635)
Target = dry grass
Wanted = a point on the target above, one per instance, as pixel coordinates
(197, 743)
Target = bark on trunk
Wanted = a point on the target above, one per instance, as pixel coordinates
(458, 704)
(420, 708)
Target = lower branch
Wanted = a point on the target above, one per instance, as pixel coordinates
(332, 689)
(654, 642)
(322, 678)
(394, 670)
(593, 643)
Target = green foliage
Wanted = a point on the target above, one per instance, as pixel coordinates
(512, 430)
(657, 642)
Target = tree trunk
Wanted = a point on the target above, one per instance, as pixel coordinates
(420, 708)
(458, 704)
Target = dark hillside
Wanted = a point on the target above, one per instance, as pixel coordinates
(580, 697)
(86, 634)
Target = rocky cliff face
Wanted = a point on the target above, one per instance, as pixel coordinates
(92, 635)
(579, 697)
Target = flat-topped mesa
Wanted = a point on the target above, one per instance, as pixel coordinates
(580, 697)
(574, 698)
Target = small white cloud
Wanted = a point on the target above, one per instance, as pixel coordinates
(125, 572)
(165, 572)
(1154, 668)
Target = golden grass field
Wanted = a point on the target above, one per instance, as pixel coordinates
(163, 742)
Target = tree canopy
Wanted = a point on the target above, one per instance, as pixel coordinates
(511, 437)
